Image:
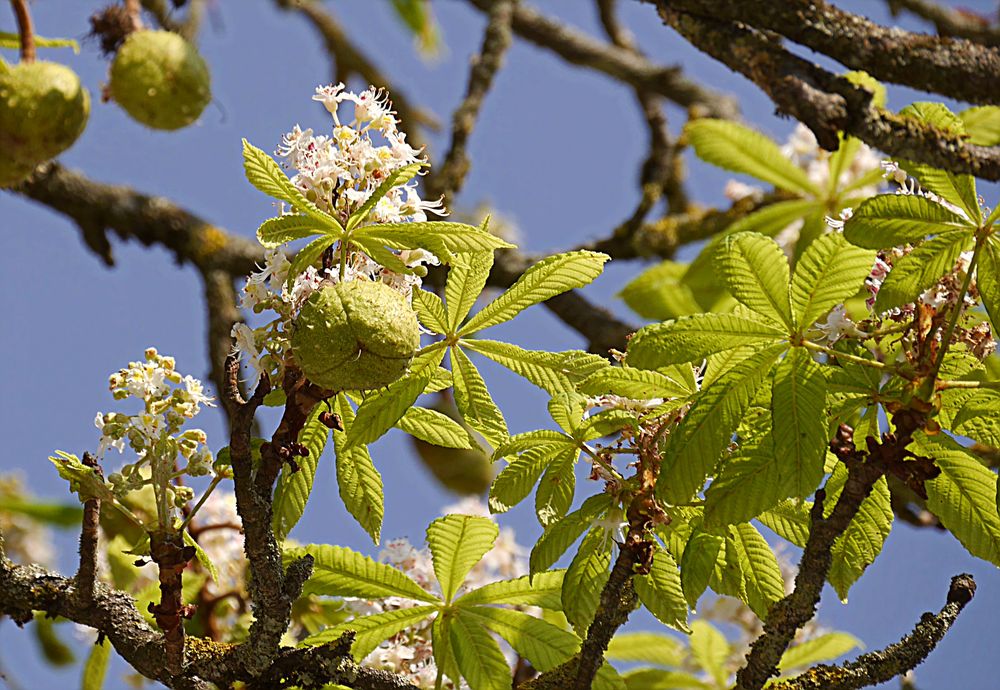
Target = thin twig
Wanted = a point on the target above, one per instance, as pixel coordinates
(87, 572)
(25, 29)
(959, 23)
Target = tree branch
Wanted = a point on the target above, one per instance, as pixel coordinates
(87, 571)
(580, 49)
(895, 660)
(960, 23)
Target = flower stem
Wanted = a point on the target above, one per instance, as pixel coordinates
(26, 30)
(201, 501)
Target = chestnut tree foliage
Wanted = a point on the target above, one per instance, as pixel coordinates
(823, 367)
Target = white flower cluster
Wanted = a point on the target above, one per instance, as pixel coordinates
(155, 434)
(409, 652)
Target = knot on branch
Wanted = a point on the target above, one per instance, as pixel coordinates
(962, 590)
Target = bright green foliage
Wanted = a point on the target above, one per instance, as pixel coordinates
(756, 272)
(585, 578)
(800, 441)
(710, 650)
(817, 650)
(889, 220)
(698, 564)
(559, 536)
(660, 591)
(692, 338)
(339, 571)
(293, 489)
(358, 481)
(96, 666)
(830, 271)
(457, 543)
(479, 658)
(920, 269)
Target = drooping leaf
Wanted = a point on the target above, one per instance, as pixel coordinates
(372, 630)
(478, 655)
(692, 338)
(553, 372)
(559, 536)
(474, 401)
(549, 277)
(466, 278)
(293, 489)
(988, 279)
(544, 590)
(381, 411)
(738, 148)
(341, 572)
(359, 483)
(829, 272)
(889, 220)
(798, 399)
(710, 650)
(457, 543)
(529, 440)
(824, 648)
(697, 443)
(758, 566)
(444, 651)
(556, 487)
(202, 556)
(516, 481)
(585, 578)
(749, 484)
(789, 520)
(756, 272)
(920, 269)
(660, 591)
(96, 666)
(434, 427)
(697, 564)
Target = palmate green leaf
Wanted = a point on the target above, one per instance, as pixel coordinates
(383, 256)
(341, 572)
(963, 496)
(268, 177)
(372, 630)
(756, 272)
(660, 591)
(638, 384)
(293, 489)
(741, 149)
(982, 124)
(294, 226)
(695, 446)
(646, 648)
(441, 238)
(566, 410)
(758, 566)
(798, 399)
(96, 666)
(544, 590)
(444, 652)
(830, 271)
(979, 417)
(988, 278)
(466, 279)
(698, 563)
(430, 310)
(549, 277)
(710, 650)
(606, 423)
(380, 411)
(516, 481)
(789, 520)
(558, 537)
(359, 483)
(692, 338)
(529, 440)
(773, 218)
(818, 650)
(553, 372)
(659, 679)
(434, 428)
(457, 543)
(585, 578)
(658, 293)
(917, 271)
(543, 644)
(309, 255)
(557, 486)
(478, 655)
(396, 178)
(749, 484)
(889, 220)
(474, 401)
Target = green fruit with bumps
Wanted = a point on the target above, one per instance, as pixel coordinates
(357, 335)
(160, 80)
(43, 110)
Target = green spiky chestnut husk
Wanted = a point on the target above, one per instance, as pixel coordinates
(160, 80)
(357, 335)
(43, 110)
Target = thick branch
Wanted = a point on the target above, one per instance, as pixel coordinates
(895, 660)
(960, 23)
(580, 49)
(955, 68)
(826, 103)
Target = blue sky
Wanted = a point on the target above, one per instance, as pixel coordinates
(557, 150)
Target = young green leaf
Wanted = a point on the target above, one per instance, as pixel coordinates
(710, 650)
(372, 630)
(294, 226)
(340, 572)
(203, 558)
(692, 338)
(434, 428)
(267, 176)
(557, 486)
(789, 520)
(359, 483)
(988, 278)
(637, 384)
(820, 649)
(380, 411)
(738, 148)
(830, 271)
(309, 255)
(479, 658)
(697, 443)
(963, 496)
(758, 566)
(773, 218)
(553, 372)
(658, 293)
(430, 310)
(397, 177)
(441, 238)
(756, 272)
(748, 484)
(457, 543)
(292, 492)
(558, 537)
(96, 666)
(474, 401)
(660, 591)
(529, 440)
(798, 399)
(585, 579)
(982, 124)
(444, 651)
(516, 481)
(547, 278)
(917, 271)
(542, 590)
(698, 563)
(466, 279)
(889, 220)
